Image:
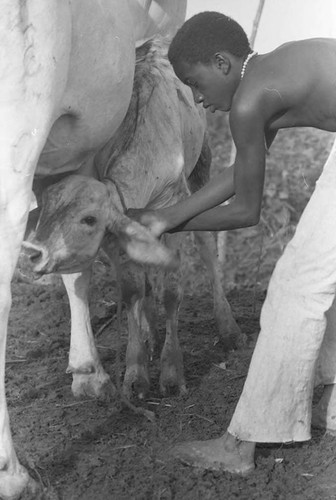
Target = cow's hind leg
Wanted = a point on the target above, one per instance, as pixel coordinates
(88, 376)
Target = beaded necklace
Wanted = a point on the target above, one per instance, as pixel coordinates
(251, 54)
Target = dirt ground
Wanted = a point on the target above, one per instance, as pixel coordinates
(84, 449)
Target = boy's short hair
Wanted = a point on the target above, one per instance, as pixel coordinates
(206, 33)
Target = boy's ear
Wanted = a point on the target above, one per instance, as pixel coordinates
(222, 62)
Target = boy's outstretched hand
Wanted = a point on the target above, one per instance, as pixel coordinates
(151, 219)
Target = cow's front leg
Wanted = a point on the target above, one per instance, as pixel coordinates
(33, 66)
(13, 477)
(15, 197)
(89, 377)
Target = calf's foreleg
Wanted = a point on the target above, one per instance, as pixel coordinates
(171, 360)
(88, 375)
(172, 374)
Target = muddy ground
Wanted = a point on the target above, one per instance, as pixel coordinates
(84, 449)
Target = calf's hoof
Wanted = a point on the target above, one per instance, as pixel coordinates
(136, 382)
(96, 385)
(12, 485)
(233, 341)
(171, 382)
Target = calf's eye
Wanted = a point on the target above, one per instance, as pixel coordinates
(89, 220)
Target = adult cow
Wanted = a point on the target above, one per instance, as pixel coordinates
(159, 153)
(66, 74)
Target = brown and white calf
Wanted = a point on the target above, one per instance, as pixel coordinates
(159, 154)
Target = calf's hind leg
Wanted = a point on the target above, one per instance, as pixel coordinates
(227, 327)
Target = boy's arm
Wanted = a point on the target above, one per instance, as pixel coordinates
(245, 179)
(219, 189)
(193, 213)
(173, 218)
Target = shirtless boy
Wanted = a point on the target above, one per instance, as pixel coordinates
(293, 86)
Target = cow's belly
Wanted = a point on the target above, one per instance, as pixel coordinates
(99, 85)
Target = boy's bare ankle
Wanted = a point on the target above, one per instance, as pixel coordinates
(231, 443)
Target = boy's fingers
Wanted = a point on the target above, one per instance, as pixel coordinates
(141, 215)
(148, 219)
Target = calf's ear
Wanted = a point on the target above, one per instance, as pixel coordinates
(140, 244)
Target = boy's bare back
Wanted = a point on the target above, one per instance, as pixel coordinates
(292, 86)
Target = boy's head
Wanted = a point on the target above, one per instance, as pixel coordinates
(205, 34)
(207, 54)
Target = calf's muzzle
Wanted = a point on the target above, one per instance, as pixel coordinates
(38, 257)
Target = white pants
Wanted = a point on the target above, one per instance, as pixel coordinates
(295, 348)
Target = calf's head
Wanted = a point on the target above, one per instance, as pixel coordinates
(76, 214)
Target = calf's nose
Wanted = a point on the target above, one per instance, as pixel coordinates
(35, 256)
(34, 253)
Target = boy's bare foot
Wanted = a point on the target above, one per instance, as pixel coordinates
(324, 413)
(223, 454)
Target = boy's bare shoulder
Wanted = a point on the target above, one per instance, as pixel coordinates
(280, 79)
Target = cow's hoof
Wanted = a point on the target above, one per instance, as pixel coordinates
(12, 485)
(96, 385)
(136, 382)
(171, 382)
